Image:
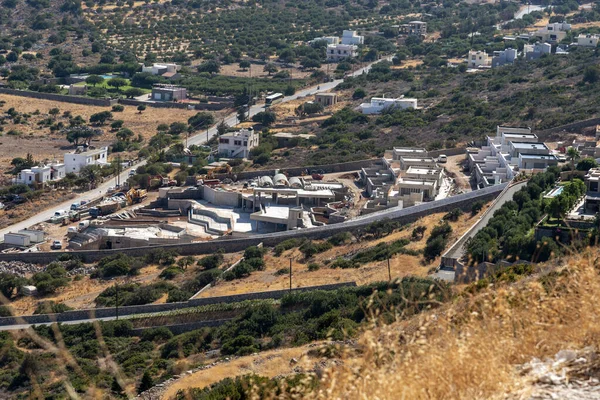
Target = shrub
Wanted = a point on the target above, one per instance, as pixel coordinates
(212, 261)
(170, 273)
(453, 215)
(340, 238)
(241, 345)
(477, 206)
(285, 245)
(418, 232)
(51, 307)
(344, 263)
(313, 267)
(157, 334)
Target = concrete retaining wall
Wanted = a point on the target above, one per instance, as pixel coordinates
(297, 171)
(132, 102)
(81, 315)
(59, 97)
(230, 244)
(573, 127)
(221, 197)
(178, 329)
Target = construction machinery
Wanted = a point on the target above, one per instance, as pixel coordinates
(104, 209)
(135, 196)
(317, 175)
(160, 181)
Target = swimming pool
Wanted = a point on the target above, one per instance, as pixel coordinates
(554, 192)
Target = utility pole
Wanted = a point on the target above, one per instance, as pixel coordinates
(118, 175)
(117, 300)
(290, 274)
(389, 269)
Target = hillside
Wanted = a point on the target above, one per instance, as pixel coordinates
(531, 335)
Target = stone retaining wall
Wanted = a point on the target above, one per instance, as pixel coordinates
(80, 315)
(59, 97)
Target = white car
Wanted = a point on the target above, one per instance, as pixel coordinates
(442, 158)
(56, 245)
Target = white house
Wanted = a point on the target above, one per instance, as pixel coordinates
(504, 57)
(350, 37)
(587, 40)
(81, 158)
(554, 32)
(238, 144)
(41, 174)
(535, 51)
(336, 52)
(327, 39)
(378, 104)
(477, 59)
(159, 69)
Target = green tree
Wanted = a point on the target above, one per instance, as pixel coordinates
(141, 108)
(117, 83)
(133, 92)
(210, 66)
(125, 134)
(94, 80)
(265, 118)
(245, 64)
(146, 382)
(54, 112)
(270, 68)
(101, 117)
(201, 120)
(591, 74)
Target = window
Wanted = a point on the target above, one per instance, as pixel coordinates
(245, 143)
(224, 141)
(237, 142)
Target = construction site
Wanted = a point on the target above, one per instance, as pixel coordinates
(218, 205)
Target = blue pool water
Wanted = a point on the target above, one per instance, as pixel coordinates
(555, 192)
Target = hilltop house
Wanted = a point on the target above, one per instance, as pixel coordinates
(238, 144)
(414, 28)
(165, 70)
(161, 92)
(553, 33)
(478, 59)
(378, 104)
(336, 52)
(350, 37)
(81, 157)
(41, 174)
(504, 57)
(535, 51)
(587, 40)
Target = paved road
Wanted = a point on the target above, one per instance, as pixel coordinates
(524, 10)
(198, 139)
(458, 250)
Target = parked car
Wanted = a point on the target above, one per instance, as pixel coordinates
(56, 245)
(442, 158)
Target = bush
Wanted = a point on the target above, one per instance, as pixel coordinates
(418, 232)
(286, 245)
(49, 281)
(240, 346)
(453, 215)
(344, 264)
(157, 334)
(253, 252)
(477, 206)
(310, 248)
(340, 238)
(313, 267)
(212, 261)
(170, 273)
(51, 307)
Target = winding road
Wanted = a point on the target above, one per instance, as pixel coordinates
(198, 139)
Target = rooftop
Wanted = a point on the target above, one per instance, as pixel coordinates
(538, 157)
(89, 152)
(527, 146)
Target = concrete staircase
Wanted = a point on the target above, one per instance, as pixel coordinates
(213, 223)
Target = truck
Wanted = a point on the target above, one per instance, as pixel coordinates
(104, 209)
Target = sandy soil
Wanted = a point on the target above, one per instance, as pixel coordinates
(269, 363)
(454, 167)
(81, 294)
(44, 145)
(400, 265)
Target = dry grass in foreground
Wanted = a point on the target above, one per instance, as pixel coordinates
(472, 348)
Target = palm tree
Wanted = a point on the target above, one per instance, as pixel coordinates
(573, 155)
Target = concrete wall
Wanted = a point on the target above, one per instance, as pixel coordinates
(230, 244)
(573, 127)
(153, 308)
(220, 197)
(59, 97)
(168, 104)
(297, 171)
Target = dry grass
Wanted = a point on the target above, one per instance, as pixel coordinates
(42, 144)
(401, 265)
(470, 350)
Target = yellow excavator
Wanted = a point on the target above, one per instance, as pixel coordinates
(135, 196)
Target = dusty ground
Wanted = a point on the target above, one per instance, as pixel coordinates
(81, 294)
(401, 265)
(454, 166)
(408, 63)
(269, 363)
(44, 145)
(25, 210)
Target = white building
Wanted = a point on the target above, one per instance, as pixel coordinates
(511, 150)
(80, 158)
(328, 39)
(378, 104)
(350, 37)
(159, 69)
(336, 52)
(504, 57)
(587, 40)
(535, 51)
(238, 144)
(478, 59)
(554, 32)
(41, 174)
